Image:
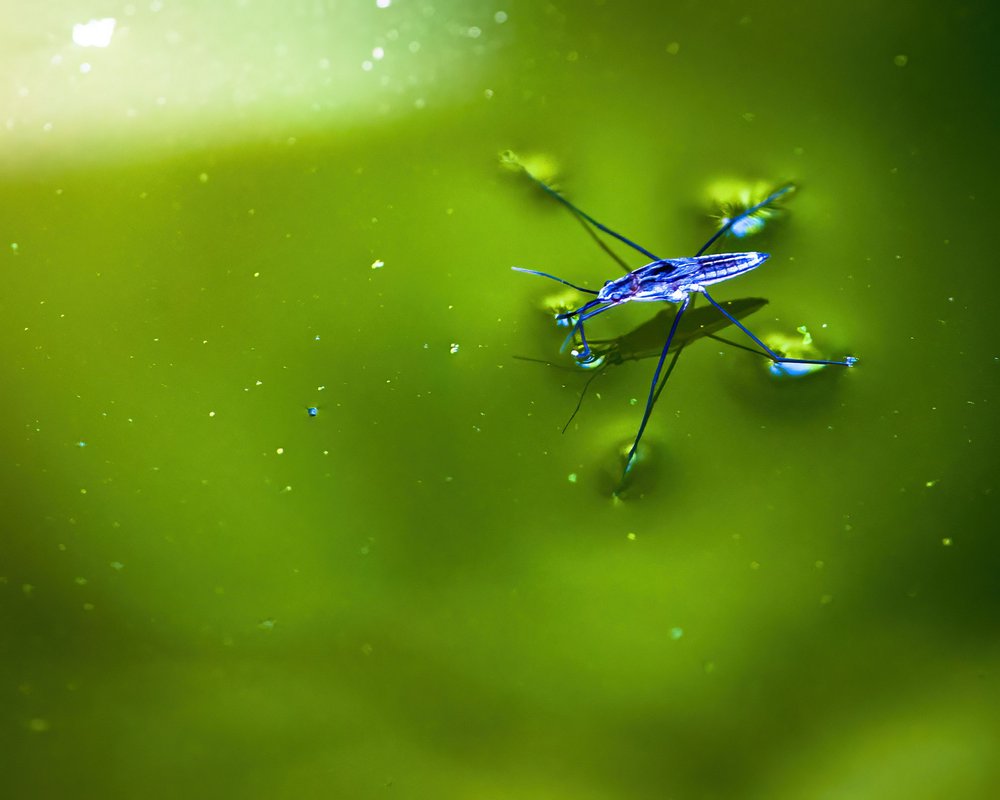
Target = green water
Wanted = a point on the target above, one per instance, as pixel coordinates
(426, 591)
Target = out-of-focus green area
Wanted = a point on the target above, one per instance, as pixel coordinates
(232, 214)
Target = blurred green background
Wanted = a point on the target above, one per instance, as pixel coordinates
(236, 211)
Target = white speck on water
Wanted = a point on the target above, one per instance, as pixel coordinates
(378, 53)
(280, 451)
(454, 348)
(383, 3)
(95, 33)
(378, 263)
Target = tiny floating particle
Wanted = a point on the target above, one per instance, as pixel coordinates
(266, 624)
(378, 263)
(454, 348)
(312, 411)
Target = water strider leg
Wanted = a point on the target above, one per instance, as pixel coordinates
(584, 215)
(584, 355)
(849, 361)
(740, 217)
(554, 278)
(656, 379)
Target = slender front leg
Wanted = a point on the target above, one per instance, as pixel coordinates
(584, 355)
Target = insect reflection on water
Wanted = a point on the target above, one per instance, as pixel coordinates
(673, 280)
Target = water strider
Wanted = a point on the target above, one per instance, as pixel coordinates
(671, 280)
